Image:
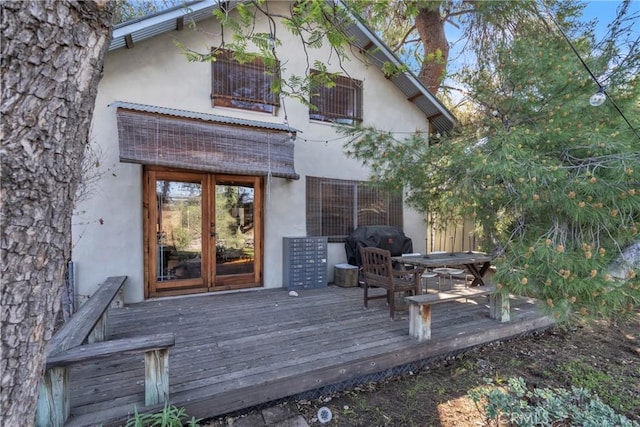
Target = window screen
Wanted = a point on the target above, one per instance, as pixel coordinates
(337, 207)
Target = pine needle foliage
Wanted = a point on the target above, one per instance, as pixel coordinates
(552, 182)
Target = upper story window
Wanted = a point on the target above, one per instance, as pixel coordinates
(339, 104)
(244, 85)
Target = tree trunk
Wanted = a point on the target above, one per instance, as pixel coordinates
(52, 55)
(430, 26)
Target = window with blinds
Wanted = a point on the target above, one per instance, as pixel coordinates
(336, 207)
(244, 85)
(339, 104)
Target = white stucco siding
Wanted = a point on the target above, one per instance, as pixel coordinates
(106, 227)
(155, 72)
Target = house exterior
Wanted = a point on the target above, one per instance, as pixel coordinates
(201, 173)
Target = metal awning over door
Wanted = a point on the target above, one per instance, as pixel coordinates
(203, 142)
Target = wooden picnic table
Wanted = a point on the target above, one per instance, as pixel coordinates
(476, 262)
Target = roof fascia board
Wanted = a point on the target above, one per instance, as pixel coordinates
(162, 18)
(162, 13)
(391, 57)
(153, 20)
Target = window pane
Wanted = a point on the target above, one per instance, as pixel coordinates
(372, 206)
(337, 208)
(234, 229)
(246, 85)
(378, 207)
(179, 230)
(339, 104)
(333, 203)
(330, 206)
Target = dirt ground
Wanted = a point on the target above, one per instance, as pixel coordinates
(602, 357)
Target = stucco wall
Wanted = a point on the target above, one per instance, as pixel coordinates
(107, 229)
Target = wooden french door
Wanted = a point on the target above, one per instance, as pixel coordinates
(203, 232)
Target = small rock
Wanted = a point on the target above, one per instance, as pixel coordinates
(293, 294)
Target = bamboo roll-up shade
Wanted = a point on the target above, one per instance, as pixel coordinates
(162, 140)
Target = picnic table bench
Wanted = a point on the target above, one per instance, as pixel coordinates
(82, 339)
(420, 307)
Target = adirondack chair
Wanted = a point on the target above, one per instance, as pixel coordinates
(378, 272)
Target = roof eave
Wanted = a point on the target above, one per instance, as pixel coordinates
(153, 25)
(421, 90)
(128, 34)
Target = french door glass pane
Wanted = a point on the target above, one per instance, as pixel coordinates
(179, 230)
(235, 250)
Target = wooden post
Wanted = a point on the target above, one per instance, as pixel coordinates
(499, 307)
(53, 401)
(420, 321)
(99, 332)
(156, 376)
(118, 301)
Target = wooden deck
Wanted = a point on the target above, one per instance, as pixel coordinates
(242, 349)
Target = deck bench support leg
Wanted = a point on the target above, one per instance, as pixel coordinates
(420, 321)
(156, 376)
(53, 401)
(499, 307)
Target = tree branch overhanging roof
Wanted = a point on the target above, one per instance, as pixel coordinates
(363, 38)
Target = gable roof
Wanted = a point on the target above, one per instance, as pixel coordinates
(127, 33)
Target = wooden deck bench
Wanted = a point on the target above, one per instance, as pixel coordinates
(82, 338)
(420, 307)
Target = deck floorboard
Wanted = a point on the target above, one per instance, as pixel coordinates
(242, 349)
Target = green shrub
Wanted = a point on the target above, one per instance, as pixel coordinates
(601, 383)
(516, 405)
(170, 416)
(181, 238)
